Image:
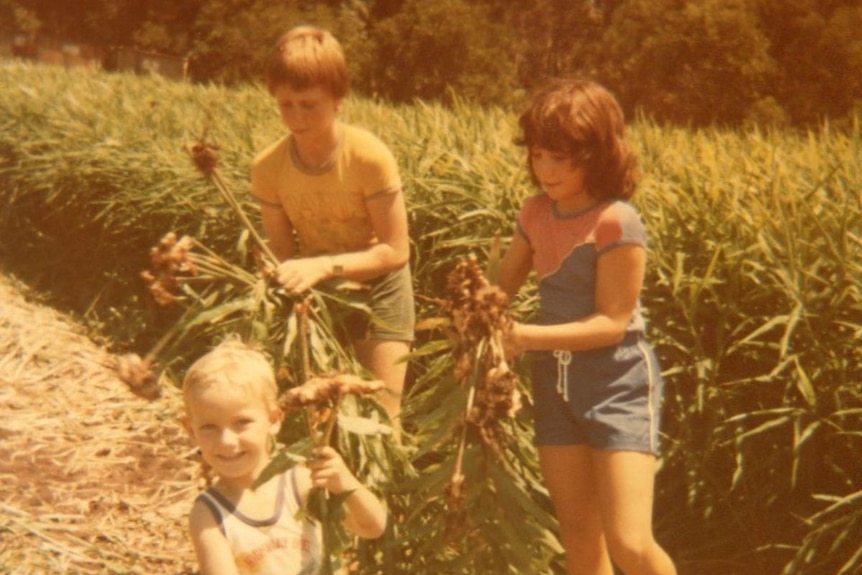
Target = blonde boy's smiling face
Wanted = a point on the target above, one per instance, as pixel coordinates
(233, 429)
(307, 113)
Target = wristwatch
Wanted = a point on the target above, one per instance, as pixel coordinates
(337, 268)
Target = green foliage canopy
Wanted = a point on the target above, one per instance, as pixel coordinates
(700, 62)
(695, 62)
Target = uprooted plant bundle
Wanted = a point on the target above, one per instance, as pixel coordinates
(320, 397)
(220, 295)
(485, 484)
(480, 316)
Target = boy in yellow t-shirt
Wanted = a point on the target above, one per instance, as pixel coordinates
(338, 188)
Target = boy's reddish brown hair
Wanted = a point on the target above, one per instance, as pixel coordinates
(305, 57)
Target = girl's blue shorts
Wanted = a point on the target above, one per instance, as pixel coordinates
(608, 398)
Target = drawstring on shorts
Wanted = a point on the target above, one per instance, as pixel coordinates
(564, 358)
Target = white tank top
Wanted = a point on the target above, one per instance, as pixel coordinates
(278, 545)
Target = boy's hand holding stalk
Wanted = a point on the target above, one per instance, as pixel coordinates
(365, 517)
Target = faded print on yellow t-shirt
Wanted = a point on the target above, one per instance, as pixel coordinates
(327, 208)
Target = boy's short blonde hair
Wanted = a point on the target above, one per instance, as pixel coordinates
(305, 57)
(237, 366)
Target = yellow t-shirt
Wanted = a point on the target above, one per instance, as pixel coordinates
(327, 206)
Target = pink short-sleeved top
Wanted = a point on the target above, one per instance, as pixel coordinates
(565, 248)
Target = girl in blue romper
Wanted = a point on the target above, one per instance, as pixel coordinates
(597, 384)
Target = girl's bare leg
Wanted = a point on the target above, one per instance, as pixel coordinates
(568, 474)
(624, 487)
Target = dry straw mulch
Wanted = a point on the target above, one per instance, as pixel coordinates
(92, 478)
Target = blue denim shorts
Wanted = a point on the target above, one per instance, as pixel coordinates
(608, 398)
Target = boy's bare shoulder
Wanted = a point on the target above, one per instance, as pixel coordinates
(201, 515)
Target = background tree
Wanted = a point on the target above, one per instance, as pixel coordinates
(166, 25)
(686, 62)
(556, 38)
(683, 61)
(18, 20)
(98, 22)
(442, 51)
(232, 38)
(818, 51)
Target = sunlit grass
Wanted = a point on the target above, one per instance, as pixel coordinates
(753, 292)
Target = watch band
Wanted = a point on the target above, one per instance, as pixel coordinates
(337, 268)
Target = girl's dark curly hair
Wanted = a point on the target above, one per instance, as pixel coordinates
(582, 119)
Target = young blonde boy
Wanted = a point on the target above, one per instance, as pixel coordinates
(336, 189)
(233, 417)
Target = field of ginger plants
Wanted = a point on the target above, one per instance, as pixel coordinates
(753, 298)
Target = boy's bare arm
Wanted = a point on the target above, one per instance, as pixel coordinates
(388, 216)
(211, 548)
(366, 515)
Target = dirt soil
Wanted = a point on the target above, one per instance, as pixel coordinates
(93, 479)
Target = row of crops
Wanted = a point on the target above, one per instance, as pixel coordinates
(753, 295)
